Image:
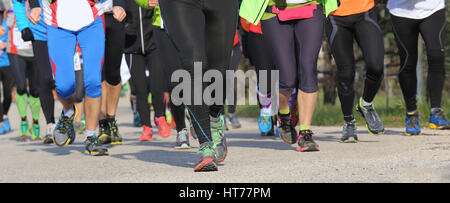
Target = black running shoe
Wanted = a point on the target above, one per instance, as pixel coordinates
(287, 131)
(94, 148)
(373, 122)
(64, 132)
(349, 133)
(104, 132)
(306, 142)
(116, 139)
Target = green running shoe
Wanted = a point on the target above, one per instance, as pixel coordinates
(218, 136)
(36, 133)
(206, 158)
(23, 131)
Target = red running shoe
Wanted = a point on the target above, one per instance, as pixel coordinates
(163, 127)
(147, 134)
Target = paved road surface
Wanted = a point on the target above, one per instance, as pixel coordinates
(386, 158)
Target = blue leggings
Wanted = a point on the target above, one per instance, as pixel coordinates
(62, 46)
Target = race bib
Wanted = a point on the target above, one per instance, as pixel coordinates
(18, 41)
(77, 61)
(74, 14)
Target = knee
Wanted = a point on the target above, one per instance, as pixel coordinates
(436, 59)
(65, 90)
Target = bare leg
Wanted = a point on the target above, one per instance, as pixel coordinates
(306, 103)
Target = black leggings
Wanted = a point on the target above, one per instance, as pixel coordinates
(114, 36)
(260, 58)
(341, 31)
(7, 81)
(46, 82)
(172, 62)
(234, 65)
(203, 31)
(24, 68)
(147, 76)
(433, 32)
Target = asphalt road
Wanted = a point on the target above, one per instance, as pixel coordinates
(252, 158)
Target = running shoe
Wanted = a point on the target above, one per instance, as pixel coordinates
(234, 120)
(79, 127)
(6, 125)
(48, 137)
(306, 142)
(206, 158)
(373, 122)
(137, 122)
(23, 131)
(163, 127)
(265, 125)
(438, 120)
(182, 140)
(412, 124)
(218, 136)
(287, 131)
(349, 133)
(104, 132)
(147, 134)
(116, 139)
(64, 132)
(36, 133)
(2, 128)
(94, 148)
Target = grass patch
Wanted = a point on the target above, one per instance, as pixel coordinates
(331, 115)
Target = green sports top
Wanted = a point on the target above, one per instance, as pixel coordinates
(157, 17)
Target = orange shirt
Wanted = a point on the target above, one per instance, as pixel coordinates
(351, 7)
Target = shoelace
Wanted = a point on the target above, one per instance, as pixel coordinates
(63, 126)
(441, 116)
(265, 120)
(412, 122)
(307, 135)
(286, 123)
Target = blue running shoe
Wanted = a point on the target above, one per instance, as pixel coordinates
(2, 128)
(265, 123)
(137, 120)
(6, 125)
(438, 120)
(412, 124)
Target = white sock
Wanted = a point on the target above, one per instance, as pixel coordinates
(364, 103)
(69, 112)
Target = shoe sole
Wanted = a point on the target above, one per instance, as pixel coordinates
(413, 134)
(268, 134)
(61, 145)
(436, 127)
(88, 153)
(308, 149)
(206, 165)
(349, 141)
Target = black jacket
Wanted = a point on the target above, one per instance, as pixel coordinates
(138, 29)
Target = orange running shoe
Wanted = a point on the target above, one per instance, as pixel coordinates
(147, 134)
(163, 127)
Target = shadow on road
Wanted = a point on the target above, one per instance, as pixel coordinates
(173, 158)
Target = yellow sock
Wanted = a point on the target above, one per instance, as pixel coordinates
(304, 127)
